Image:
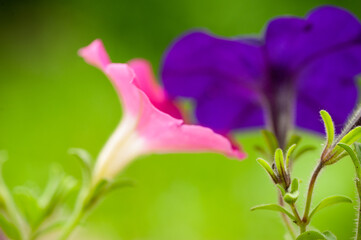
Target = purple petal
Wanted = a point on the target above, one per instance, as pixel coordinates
(225, 109)
(198, 63)
(293, 42)
(329, 84)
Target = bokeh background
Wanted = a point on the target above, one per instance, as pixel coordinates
(50, 101)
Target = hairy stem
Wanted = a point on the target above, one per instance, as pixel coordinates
(358, 223)
(285, 219)
(311, 186)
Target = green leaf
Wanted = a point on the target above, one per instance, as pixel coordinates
(358, 149)
(352, 136)
(316, 235)
(28, 204)
(329, 201)
(304, 150)
(329, 235)
(294, 139)
(280, 164)
(268, 169)
(9, 229)
(271, 140)
(86, 163)
(311, 235)
(354, 158)
(261, 150)
(290, 150)
(329, 127)
(122, 183)
(274, 207)
(292, 196)
(283, 191)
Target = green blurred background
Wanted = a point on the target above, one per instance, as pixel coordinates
(50, 101)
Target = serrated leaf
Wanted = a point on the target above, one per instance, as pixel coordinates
(268, 169)
(271, 141)
(288, 155)
(329, 127)
(329, 201)
(9, 229)
(274, 207)
(354, 158)
(311, 235)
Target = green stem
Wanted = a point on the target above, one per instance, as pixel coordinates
(76, 217)
(285, 219)
(310, 193)
(358, 229)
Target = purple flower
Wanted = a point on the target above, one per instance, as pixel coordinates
(300, 66)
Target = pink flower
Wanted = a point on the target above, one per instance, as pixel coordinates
(151, 122)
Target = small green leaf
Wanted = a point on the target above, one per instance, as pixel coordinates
(268, 169)
(329, 235)
(280, 164)
(329, 127)
(294, 185)
(288, 154)
(358, 149)
(28, 204)
(261, 150)
(329, 201)
(271, 140)
(122, 183)
(9, 229)
(316, 235)
(292, 196)
(283, 191)
(303, 150)
(274, 207)
(353, 157)
(86, 163)
(294, 139)
(348, 139)
(352, 136)
(311, 235)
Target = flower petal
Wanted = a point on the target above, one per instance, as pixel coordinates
(198, 63)
(293, 42)
(145, 81)
(95, 54)
(329, 84)
(164, 133)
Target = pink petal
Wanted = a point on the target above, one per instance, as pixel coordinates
(162, 132)
(95, 54)
(145, 80)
